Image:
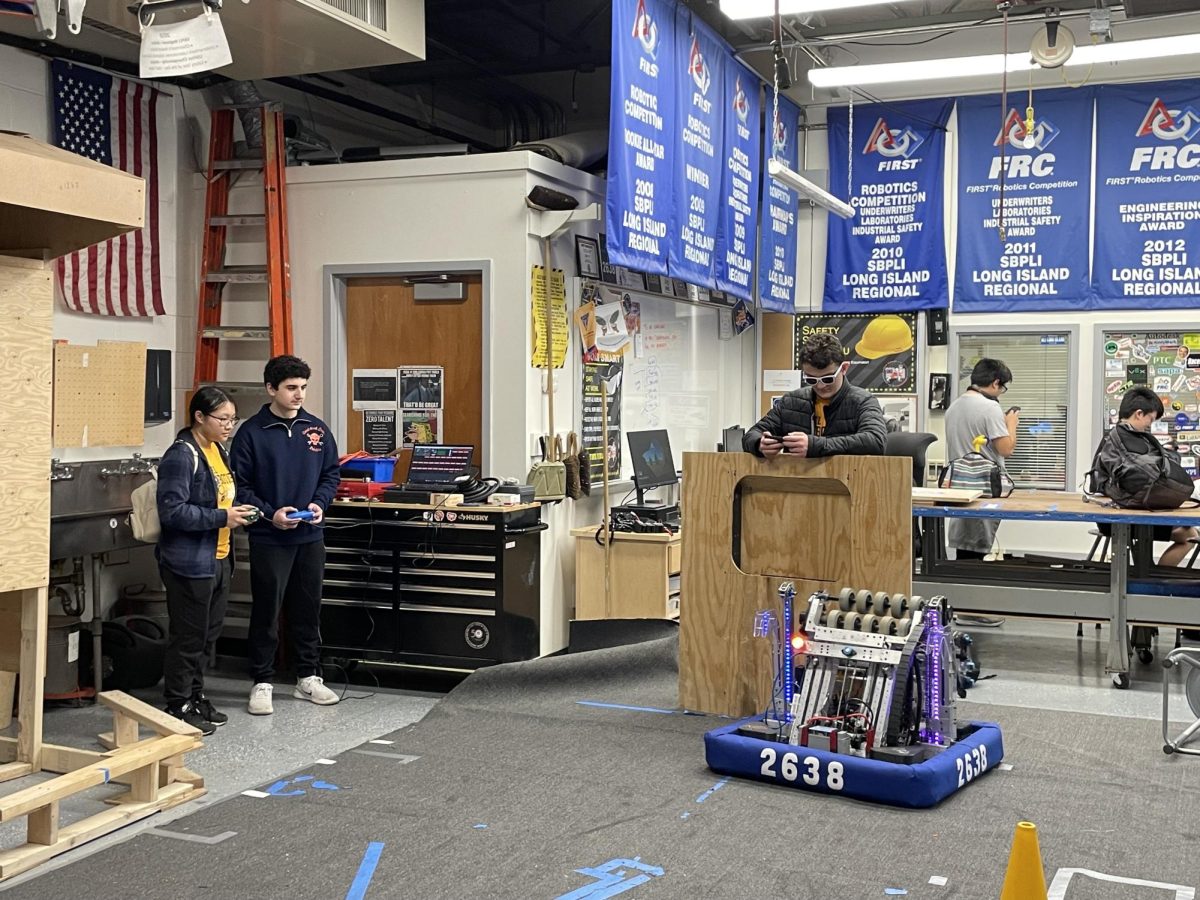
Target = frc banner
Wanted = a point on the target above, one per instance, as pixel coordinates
(641, 135)
(1042, 261)
(891, 255)
(698, 91)
(777, 245)
(737, 224)
(1147, 196)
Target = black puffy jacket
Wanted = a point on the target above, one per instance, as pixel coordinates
(854, 423)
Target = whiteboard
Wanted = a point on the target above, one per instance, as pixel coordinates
(685, 378)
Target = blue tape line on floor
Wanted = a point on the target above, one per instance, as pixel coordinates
(712, 790)
(366, 871)
(651, 709)
(105, 771)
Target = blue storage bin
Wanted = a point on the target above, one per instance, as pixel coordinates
(379, 468)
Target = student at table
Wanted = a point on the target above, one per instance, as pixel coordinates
(1140, 409)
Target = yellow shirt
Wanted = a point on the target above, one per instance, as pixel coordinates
(226, 491)
(819, 416)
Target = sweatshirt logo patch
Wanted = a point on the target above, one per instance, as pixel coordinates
(316, 438)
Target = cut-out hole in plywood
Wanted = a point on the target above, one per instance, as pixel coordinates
(791, 527)
(99, 394)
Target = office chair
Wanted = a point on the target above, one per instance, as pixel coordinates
(912, 444)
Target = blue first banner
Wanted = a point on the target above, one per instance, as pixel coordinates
(891, 255)
(1040, 262)
(737, 224)
(698, 91)
(777, 244)
(1147, 196)
(642, 135)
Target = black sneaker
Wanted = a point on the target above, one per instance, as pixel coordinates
(191, 715)
(204, 706)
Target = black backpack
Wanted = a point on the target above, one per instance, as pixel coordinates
(1135, 471)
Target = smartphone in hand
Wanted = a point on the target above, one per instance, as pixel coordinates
(1012, 409)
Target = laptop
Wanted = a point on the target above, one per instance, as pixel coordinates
(434, 467)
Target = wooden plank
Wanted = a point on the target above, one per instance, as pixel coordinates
(106, 740)
(33, 676)
(156, 720)
(27, 856)
(143, 784)
(13, 770)
(27, 310)
(125, 730)
(8, 687)
(10, 630)
(944, 495)
(23, 802)
(41, 827)
(822, 524)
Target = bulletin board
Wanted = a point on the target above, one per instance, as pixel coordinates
(99, 394)
(1168, 362)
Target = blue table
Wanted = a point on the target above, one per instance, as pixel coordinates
(1064, 591)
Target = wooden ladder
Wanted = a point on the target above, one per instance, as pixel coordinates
(215, 273)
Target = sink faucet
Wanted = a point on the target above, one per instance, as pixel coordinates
(60, 471)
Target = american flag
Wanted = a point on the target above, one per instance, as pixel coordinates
(113, 121)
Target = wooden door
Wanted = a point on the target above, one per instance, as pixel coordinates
(387, 328)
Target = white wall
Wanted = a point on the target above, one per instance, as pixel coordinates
(25, 107)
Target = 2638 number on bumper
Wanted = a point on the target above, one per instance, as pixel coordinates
(807, 770)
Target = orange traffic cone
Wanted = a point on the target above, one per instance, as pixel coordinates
(1025, 878)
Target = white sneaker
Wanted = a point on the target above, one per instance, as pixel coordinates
(260, 700)
(313, 688)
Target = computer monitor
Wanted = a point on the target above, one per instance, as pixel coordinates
(438, 463)
(653, 465)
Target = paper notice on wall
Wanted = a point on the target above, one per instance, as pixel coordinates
(182, 48)
(379, 431)
(781, 380)
(558, 302)
(421, 426)
(373, 389)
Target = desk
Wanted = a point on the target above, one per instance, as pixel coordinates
(427, 587)
(1068, 591)
(643, 579)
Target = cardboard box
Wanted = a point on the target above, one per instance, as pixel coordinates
(55, 201)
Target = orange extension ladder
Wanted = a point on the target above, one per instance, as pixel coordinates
(215, 274)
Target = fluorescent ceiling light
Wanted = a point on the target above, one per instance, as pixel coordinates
(996, 63)
(758, 9)
(808, 190)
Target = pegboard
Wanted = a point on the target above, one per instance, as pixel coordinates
(99, 394)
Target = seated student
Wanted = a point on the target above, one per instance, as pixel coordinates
(827, 417)
(1140, 408)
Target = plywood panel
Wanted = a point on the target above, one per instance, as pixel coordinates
(386, 328)
(862, 502)
(778, 339)
(26, 308)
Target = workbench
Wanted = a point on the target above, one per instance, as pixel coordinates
(1044, 587)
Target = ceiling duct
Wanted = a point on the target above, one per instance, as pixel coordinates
(1141, 8)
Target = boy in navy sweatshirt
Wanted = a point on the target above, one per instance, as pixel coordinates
(286, 462)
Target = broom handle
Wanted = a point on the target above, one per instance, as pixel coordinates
(546, 255)
(606, 511)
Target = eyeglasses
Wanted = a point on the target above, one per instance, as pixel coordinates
(226, 421)
(1004, 388)
(810, 380)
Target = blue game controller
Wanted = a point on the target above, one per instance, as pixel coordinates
(301, 515)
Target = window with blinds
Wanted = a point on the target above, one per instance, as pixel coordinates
(1041, 385)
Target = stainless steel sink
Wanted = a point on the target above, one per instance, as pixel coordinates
(90, 505)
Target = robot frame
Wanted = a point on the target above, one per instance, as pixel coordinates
(869, 710)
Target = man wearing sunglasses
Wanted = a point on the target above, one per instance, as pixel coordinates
(827, 416)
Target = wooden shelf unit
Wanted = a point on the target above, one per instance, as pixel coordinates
(644, 575)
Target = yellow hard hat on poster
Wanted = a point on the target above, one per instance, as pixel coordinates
(884, 336)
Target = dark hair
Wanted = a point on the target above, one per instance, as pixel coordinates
(821, 350)
(987, 371)
(206, 401)
(1140, 399)
(280, 368)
